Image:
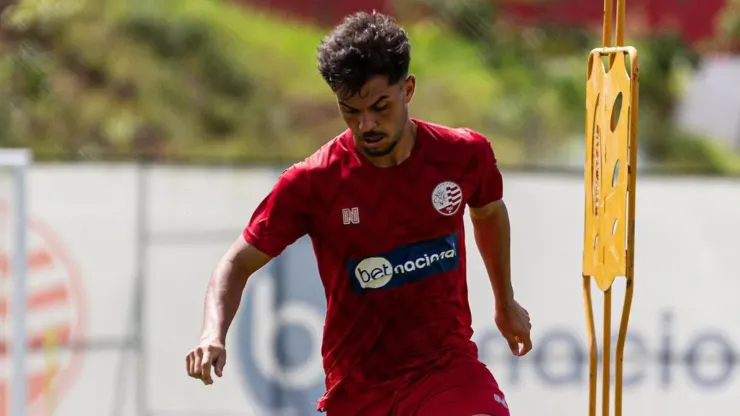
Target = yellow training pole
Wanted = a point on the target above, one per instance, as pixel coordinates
(610, 181)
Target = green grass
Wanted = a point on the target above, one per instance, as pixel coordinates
(209, 80)
(285, 111)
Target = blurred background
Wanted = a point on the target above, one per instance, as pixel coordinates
(158, 126)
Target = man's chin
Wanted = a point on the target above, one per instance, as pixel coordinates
(377, 152)
(378, 149)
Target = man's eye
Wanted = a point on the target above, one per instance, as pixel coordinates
(350, 110)
(379, 109)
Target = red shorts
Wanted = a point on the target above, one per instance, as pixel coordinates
(462, 388)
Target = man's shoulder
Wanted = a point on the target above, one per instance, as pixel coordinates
(331, 153)
(460, 138)
(329, 158)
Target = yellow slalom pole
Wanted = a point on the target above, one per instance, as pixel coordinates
(608, 17)
(610, 175)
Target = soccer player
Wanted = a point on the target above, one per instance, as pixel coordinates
(383, 203)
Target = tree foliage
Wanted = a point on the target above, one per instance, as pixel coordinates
(207, 80)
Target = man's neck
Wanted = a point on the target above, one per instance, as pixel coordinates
(403, 149)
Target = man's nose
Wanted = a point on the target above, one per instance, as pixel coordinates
(367, 122)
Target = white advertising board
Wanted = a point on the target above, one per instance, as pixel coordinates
(682, 354)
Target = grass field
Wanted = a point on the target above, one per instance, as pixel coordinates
(215, 80)
(202, 80)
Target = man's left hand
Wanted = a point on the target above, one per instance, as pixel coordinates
(513, 322)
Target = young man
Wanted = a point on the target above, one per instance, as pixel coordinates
(383, 203)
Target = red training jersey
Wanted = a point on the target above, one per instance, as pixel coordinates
(390, 246)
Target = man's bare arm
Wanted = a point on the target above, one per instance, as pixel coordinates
(222, 302)
(226, 287)
(493, 237)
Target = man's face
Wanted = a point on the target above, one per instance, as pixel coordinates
(377, 115)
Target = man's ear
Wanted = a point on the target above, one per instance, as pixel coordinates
(409, 87)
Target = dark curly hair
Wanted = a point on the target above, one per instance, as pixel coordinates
(364, 45)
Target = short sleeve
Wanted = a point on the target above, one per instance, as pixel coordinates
(490, 184)
(283, 216)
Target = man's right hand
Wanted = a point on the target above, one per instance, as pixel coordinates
(208, 354)
(222, 302)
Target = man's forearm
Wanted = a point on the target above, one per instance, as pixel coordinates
(492, 235)
(222, 299)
